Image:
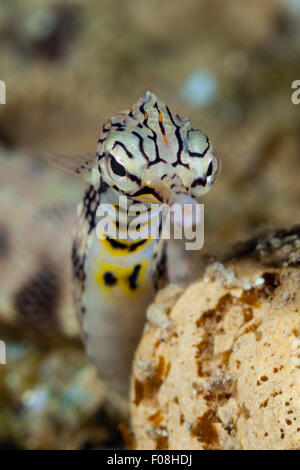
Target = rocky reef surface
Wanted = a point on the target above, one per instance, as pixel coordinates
(218, 366)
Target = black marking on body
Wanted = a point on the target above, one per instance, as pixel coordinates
(117, 142)
(157, 156)
(142, 110)
(134, 178)
(118, 125)
(200, 154)
(147, 190)
(160, 274)
(209, 169)
(179, 140)
(134, 277)
(78, 265)
(109, 279)
(152, 137)
(162, 128)
(136, 245)
(181, 192)
(123, 246)
(116, 188)
(141, 145)
(90, 205)
(198, 182)
(90, 202)
(100, 156)
(180, 148)
(160, 123)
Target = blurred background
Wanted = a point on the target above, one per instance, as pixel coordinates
(68, 65)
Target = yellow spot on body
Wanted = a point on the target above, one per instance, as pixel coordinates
(146, 115)
(122, 275)
(165, 138)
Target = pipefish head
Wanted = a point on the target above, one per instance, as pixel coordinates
(151, 155)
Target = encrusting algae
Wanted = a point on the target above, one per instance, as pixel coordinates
(233, 358)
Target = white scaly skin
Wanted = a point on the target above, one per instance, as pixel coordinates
(149, 155)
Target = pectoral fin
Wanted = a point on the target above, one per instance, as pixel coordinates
(84, 165)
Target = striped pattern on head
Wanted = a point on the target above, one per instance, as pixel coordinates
(152, 155)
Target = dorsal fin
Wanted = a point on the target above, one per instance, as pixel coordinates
(84, 165)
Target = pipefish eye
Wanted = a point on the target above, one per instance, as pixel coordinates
(116, 167)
